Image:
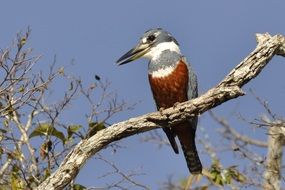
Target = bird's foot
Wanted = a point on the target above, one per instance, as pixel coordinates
(161, 110)
(175, 104)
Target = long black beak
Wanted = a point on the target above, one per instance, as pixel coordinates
(133, 54)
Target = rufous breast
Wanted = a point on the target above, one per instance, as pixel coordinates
(170, 88)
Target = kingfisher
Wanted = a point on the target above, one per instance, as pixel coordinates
(172, 81)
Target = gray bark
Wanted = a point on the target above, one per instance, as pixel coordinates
(276, 141)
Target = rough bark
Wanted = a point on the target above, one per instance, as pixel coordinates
(276, 141)
(227, 89)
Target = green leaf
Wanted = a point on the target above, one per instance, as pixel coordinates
(21, 42)
(45, 129)
(204, 188)
(47, 173)
(6, 123)
(228, 178)
(72, 129)
(21, 89)
(219, 180)
(183, 182)
(58, 135)
(215, 171)
(94, 127)
(15, 169)
(3, 131)
(236, 175)
(6, 186)
(9, 110)
(16, 182)
(78, 187)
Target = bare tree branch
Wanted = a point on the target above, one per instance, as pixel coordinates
(276, 141)
(125, 177)
(235, 134)
(227, 89)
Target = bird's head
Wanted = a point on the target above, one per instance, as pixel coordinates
(150, 46)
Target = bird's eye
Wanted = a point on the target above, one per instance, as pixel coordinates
(151, 38)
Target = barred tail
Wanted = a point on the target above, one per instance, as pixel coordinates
(192, 159)
(186, 135)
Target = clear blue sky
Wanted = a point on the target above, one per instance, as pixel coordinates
(214, 36)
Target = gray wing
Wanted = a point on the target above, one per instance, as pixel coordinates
(187, 138)
(192, 83)
(192, 90)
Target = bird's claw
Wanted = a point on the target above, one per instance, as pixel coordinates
(175, 104)
(161, 110)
